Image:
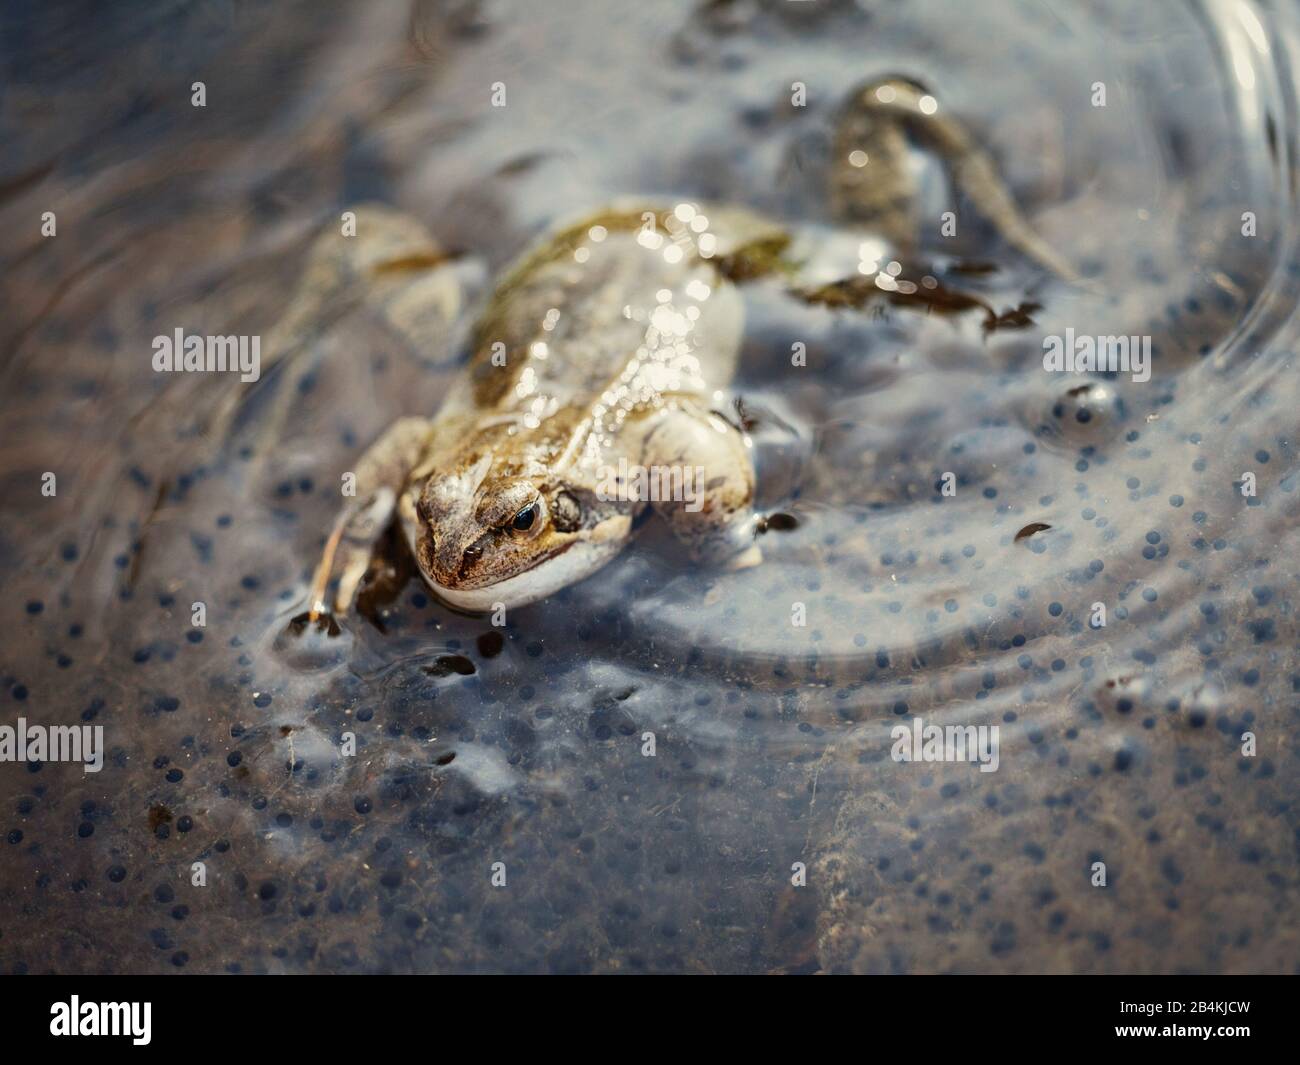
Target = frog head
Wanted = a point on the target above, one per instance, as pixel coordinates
(484, 537)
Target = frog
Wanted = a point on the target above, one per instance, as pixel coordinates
(605, 351)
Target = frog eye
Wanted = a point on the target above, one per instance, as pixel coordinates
(523, 521)
(528, 521)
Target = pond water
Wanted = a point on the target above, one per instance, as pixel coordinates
(1172, 502)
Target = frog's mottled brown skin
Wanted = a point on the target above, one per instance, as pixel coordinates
(610, 341)
(607, 344)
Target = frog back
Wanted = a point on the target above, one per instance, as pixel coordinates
(626, 295)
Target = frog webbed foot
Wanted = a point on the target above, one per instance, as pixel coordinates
(700, 475)
(347, 556)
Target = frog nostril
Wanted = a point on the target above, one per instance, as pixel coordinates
(470, 558)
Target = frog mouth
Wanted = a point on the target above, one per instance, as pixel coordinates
(554, 570)
(553, 553)
(487, 581)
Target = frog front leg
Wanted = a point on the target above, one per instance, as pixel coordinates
(381, 475)
(698, 474)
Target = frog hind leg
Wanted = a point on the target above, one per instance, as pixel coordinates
(700, 477)
(878, 192)
(381, 474)
(391, 269)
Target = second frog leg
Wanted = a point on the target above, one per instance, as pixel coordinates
(871, 185)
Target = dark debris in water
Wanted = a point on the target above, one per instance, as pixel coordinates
(446, 665)
(927, 293)
(490, 644)
(1019, 317)
(777, 522)
(1029, 530)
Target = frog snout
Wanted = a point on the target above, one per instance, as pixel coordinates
(452, 559)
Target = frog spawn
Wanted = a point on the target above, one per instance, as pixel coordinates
(1086, 413)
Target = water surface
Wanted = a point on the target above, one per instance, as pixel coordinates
(523, 745)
